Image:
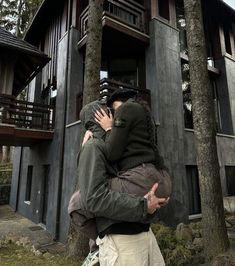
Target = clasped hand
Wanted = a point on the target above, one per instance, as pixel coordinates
(155, 203)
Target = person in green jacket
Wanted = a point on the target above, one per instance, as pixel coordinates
(130, 143)
(110, 207)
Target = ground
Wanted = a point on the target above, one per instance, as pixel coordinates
(13, 255)
(24, 243)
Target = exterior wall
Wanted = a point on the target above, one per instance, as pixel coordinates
(15, 177)
(72, 141)
(7, 64)
(72, 131)
(75, 76)
(37, 156)
(44, 153)
(225, 150)
(226, 154)
(56, 153)
(163, 78)
(230, 74)
(62, 150)
(225, 95)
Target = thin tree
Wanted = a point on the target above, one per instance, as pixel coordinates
(214, 230)
(93, 52)
(77, 243)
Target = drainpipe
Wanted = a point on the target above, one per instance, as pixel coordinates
(60, 186)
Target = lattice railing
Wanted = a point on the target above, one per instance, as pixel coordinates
(26, 114)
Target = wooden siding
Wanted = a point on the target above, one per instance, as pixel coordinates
(128, 12)
(57, 27)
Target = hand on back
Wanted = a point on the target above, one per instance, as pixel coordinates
(103, 119)
(155, 203)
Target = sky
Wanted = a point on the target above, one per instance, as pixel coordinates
(231, 3)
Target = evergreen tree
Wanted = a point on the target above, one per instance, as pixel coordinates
(15, 15)
(214, 230)
(77, 243)
(8, 14)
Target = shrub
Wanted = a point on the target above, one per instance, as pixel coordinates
(174, 251)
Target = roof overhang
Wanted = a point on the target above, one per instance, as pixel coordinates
(28, 60)
(26, 68)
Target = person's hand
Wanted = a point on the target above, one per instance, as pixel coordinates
(155, 203)
(88, 135)
(104, 120)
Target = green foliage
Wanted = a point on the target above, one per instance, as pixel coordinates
(174, 251)
(5, 173)
(8, 14)
(15, 15)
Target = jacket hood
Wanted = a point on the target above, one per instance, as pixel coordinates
(87, 118)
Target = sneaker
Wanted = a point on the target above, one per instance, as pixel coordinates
(91, 259)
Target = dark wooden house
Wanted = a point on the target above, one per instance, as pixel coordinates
(144, 46)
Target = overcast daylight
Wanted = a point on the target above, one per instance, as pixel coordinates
(117, 132)
(230, 3)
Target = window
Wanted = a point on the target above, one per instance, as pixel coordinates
(227, 40)
(187, 101)
(194, 200)
(126, 70)
(230, 178)
(216, 105)
(163, 9)
(29, 184)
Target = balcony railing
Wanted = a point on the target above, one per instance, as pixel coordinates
(129, 12)
(108, 86)
(25, 114)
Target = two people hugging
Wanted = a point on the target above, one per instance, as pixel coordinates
(123, 182)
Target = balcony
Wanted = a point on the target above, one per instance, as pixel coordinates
(108, 86)
(126, 16)
(23, 123)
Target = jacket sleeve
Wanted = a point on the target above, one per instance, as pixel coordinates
(116, 139)
(95, 192)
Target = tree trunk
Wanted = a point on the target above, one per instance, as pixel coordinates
(77, 243)
(93, 52)
(1, 7)
(19, 13)
(214, 230)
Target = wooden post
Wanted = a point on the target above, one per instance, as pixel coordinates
(172, 13)
(154, 8)
(232, 40)
(222, 40)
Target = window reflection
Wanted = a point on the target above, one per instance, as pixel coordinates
(187, 101)
(126, 70)
(181, 25)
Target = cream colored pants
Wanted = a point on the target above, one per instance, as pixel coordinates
(130, 250)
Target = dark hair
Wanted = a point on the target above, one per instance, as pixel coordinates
(152, 131)
(121, 94)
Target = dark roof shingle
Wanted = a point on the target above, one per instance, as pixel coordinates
(10, 41)
(29, 60)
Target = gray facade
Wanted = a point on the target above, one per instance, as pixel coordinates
(55, 162)
(163, 77)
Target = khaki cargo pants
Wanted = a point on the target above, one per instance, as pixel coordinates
(130, 250)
